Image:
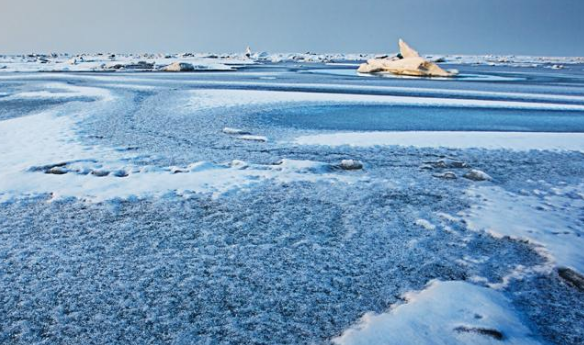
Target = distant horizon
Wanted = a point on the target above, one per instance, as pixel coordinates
(449, 27)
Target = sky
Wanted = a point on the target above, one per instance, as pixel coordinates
(521, 27)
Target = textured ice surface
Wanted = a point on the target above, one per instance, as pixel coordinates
(294, 263)
(129, 215)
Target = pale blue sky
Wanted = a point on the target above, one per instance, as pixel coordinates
(535, 27)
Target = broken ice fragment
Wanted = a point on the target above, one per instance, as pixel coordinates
(257, 138)
(350, 164)
(477, 175)
(235, 131)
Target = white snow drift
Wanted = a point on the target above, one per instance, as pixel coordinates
(519, 141)
(446, 313)
(550, 219)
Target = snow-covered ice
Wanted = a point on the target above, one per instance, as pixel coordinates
(95, 173)
(425, 224)
(230, 98)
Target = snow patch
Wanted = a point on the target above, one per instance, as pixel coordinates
(235, 131)
(551, 220)
(257, 138)
(444, 313)
(518, 141)
(425, 224)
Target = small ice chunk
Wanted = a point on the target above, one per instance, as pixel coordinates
(100, 173)
(120, 173)
(572, 277)
(200, 166)
(257, 138)
(425, 224)
(239, 164)
(179, 67)
(477, 175)
(350, 164)
(56, 171)
(447, 217)
(235, 131)
(177, 170)
(449, 164)
(447, 175)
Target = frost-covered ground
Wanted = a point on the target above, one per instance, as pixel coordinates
(215, 207)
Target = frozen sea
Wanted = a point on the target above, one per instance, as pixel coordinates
(213, 208)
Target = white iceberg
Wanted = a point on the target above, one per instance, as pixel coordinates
(408, 62)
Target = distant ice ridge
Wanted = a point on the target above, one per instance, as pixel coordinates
(446, 313)
(229, 61)
(142, 62)
(115, 62)
(508, 60)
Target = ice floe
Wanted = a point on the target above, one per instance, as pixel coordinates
(235, 131)
(258, 138)
(477, 175)
(425, 224)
